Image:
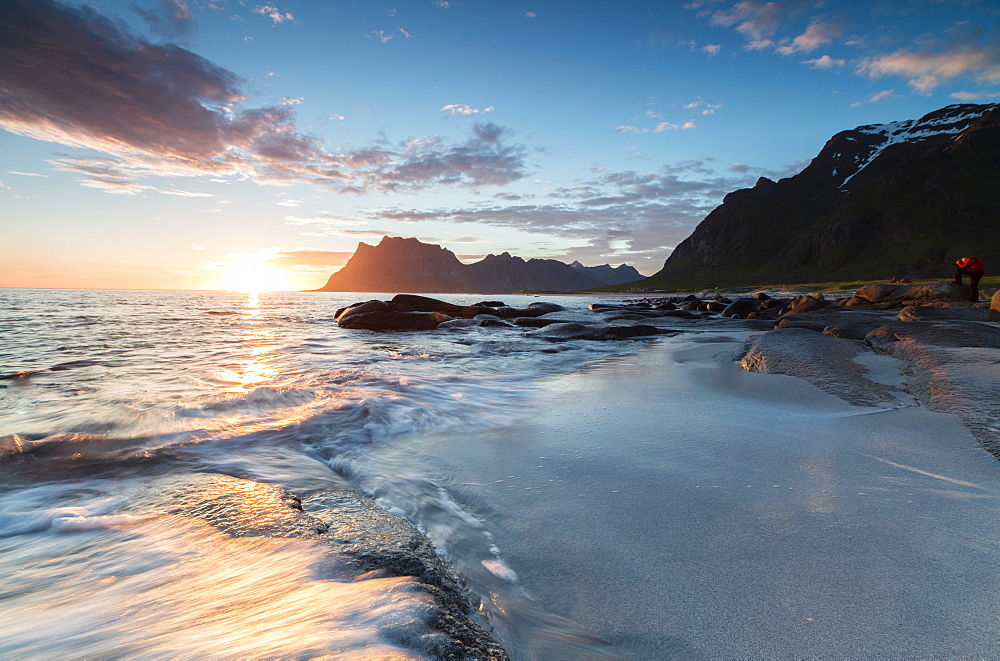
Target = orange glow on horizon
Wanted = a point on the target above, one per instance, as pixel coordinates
(255, 277)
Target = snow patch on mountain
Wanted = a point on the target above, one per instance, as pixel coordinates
(941, 122)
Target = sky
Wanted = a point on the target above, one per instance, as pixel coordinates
(250, 144)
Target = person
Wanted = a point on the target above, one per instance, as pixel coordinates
(974, 268)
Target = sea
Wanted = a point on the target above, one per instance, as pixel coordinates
(111, 400)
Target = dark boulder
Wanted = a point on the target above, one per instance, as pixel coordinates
(390, 320)
(371, 306)
(427, 304)
(741, 307)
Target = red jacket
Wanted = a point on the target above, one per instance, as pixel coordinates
(973, 264)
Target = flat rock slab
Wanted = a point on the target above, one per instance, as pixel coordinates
(939, 313)
(955, 368)
(823, 360)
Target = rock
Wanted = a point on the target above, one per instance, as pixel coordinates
(537, 322)
(954, 367)
(544, 308)
(716, 306)
(741, 307)
(493, 322)
(934, 313)
(825, 361)
(427, 304)
(563, 332)
(627, 332)
(892, 296)
(953, 334)
(995, 307)
(367, 537)
(808, 304)
(370, 306)
(489, 304)
(391, 320)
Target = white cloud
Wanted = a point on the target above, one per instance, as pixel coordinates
(443, 4)
(816, 35)
(875, 98)
(712, 49)
(462, 109)
(667, 126)
(825, 62)
(27, 174)
(753, 19)
(272, 12)
(630, 129)
(969, 96)
(927, 71)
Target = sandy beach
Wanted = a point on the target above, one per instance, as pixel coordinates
(672, 504)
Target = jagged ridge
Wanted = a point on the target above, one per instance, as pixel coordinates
(397, 264)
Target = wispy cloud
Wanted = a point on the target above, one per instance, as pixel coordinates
(385, 36)
(875, 98)
(819, 33)
(638, 215)
(825, 62)
(271, 11)
(974, 96)
(72, 77)
(462, 109)
(27, 174)
(927, 70)
(667, 126)
(171, 18)
(755, 20)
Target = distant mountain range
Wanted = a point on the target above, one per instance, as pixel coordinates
(407, 265)
(899, 199)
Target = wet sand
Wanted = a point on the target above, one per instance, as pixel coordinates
(675, 505)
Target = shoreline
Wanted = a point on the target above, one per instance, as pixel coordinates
(679, 505)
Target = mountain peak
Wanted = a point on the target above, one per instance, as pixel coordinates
(899, 199)
(408, 265)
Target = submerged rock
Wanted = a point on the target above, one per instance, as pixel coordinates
(353, 527)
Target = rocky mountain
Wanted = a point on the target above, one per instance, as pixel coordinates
(407, 265)
(611, 275)
(899, 199)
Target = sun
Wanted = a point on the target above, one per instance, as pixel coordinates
(255, 277)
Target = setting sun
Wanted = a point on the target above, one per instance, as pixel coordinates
(255, 277)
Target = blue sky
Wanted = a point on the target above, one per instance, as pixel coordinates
(237, 143)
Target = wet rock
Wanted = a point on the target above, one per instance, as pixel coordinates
(563, 332)
(823, 360)
(351, 525)
(427, 304)
(807, 304)
(544, 308)
(885, 297)
(741, 307)
(371, 306)
(954, 368)
(490, 304)
(995, 307)
(392, 321)
(936, 313)
(537, 322)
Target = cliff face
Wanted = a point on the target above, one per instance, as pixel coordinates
(899, 199)
(407, 265)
